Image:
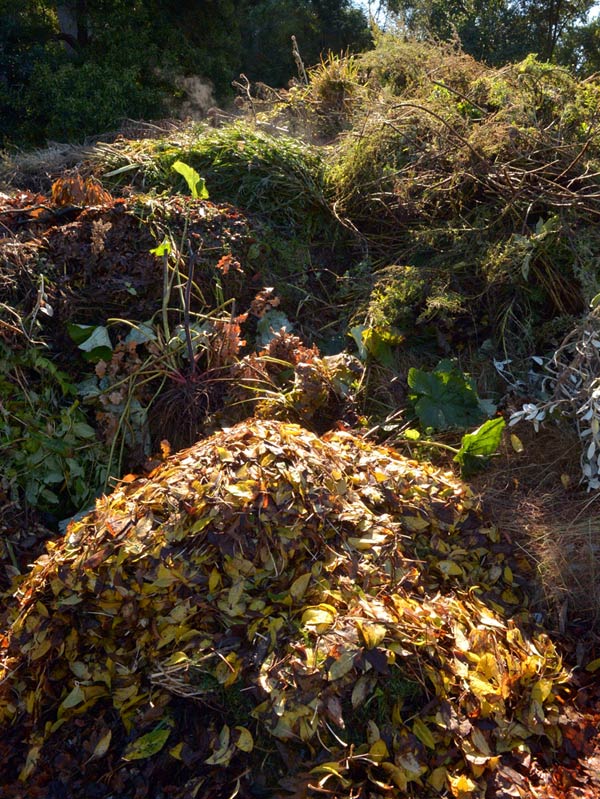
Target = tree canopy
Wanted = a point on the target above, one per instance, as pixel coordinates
(74, 68)
(497, 31)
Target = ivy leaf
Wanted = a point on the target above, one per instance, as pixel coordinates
(92, 340)
(476, 447)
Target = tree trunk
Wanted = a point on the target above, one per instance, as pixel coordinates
(72, 19)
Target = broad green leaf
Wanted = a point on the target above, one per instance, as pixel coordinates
(92, 340)
(195, 183)
(445, 398)
(147, 745)
(83, 430)
(378, 345)
(164, 248)
(477, 446)
(80, 333)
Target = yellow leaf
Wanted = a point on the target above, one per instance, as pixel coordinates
(397, 712)
(488, 667)
(423, 733)
(39, 650)
(373, 733)
(369, 541)
(372, 634)
(175, 751)
(437, 778)
(101, 747)
(398, 775)
(121, 696)
(177, 659)
(147, 745)
(416, 524)
(565, 480)
(462, 642)
(462, 787)
(73, 698)
(320, 617)
(245, 742)
(449, 568)
(32, 758)
(214, 580)
(342, 665)
(516, 443)
(299, 586)
(332, 769)
(41, 609)
(378, 751)
(593, 665)
(80, 670)
(245, 489)
(541, 691)
(363, 687)
(510, 597)
(228, 669)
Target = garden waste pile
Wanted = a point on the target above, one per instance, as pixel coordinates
(270, 613)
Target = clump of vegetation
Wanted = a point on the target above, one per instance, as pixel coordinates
(487, 177)
(49, 451)
(278, 177)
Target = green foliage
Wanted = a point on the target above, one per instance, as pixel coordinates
(195, 183)
(478, 446)
(279, 177)
(119, 60)
(426, 182)
(495, 31)
(445, 398)
(376, 342)
(319, 26)
(93, 341)
(50, 454)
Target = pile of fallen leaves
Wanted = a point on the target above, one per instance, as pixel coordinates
(273, 612)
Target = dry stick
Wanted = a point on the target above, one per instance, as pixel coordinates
(299, 62)
(186, 310)
(459, 94)
(244, 86)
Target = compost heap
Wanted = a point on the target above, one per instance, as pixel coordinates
(270, 611)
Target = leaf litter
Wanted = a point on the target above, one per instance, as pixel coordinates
(273, 612)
